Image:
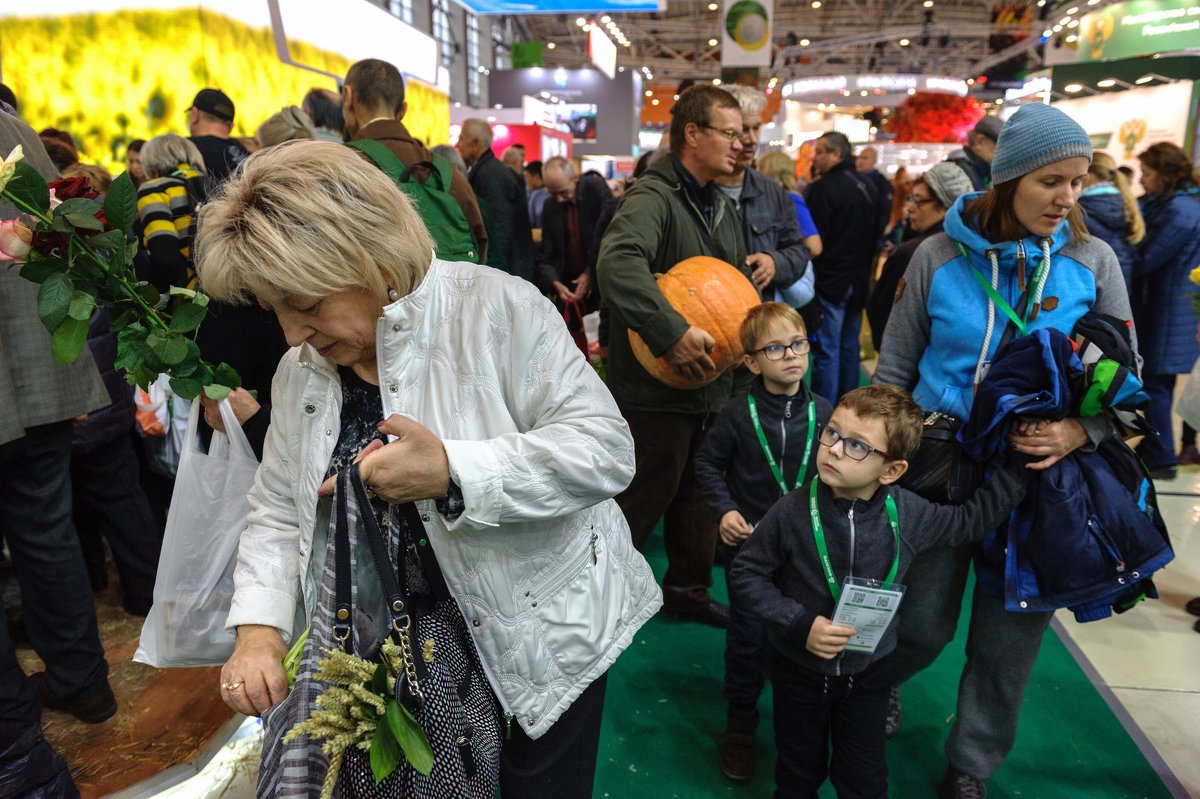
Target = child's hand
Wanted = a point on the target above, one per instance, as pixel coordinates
(826, 639)
(733, 528)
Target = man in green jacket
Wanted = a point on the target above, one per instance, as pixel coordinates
(672, 213)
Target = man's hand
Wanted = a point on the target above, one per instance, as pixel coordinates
(764, 268)
(411, 468)
(583, 286)
(689, 355)
(242, 401)
(734, 528)
(563, 292)
(826, 639)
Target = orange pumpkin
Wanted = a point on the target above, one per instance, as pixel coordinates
(711, 295)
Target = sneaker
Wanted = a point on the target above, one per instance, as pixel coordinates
(891, 727)
(956, 785)
(1163, 473)
(1189, 455)
(736, 756)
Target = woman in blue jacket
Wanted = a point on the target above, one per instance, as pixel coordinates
(1111, 211)
(1161, 290)
(1026, 233)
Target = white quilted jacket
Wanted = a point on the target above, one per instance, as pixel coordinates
(540, 563)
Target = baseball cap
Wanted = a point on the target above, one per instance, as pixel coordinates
(215, 102)
(989, 126)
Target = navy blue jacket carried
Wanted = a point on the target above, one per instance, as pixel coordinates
(1162, 309)
(1104, 213)
(731, 468)
(1088, 535)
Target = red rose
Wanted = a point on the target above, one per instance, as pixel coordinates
(71, 188)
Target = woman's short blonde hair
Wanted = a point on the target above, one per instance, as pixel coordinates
(163, 154)
(779, 167)
(285, 125)
(309, 219)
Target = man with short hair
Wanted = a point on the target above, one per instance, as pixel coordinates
(570, 233)
(843, 208)
(976, 158)
(503, 194)
(673, 212)
(535, 186)
(210, 123)
(324, 108)
(373, 107)
(514, 158)
(865, 163)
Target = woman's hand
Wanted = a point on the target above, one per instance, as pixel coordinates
(252, 680)
(411, 468)
(1050, 441)
(242, 401)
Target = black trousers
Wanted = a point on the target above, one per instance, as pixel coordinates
(561, 764)
(811, 710)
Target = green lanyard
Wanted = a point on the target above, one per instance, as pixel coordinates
(819, 534)
(766, 448)
(1001, 303)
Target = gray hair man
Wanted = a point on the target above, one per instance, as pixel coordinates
(571, 232)
(502, 192)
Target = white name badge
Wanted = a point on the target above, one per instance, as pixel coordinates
(869, 608)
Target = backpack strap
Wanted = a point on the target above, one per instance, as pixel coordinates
(384, 158)
(433, 170)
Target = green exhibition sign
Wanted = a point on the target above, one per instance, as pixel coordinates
(527, 54)
(1139, 27)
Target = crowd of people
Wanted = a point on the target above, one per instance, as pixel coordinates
(404, 339)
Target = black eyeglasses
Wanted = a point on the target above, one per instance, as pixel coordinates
(728, 133)
(852, 447)
(914, 201)
(775, 352)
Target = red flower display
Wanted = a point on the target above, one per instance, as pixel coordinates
(934, 117)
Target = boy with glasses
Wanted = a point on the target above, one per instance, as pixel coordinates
(762, 446)
(838, 549)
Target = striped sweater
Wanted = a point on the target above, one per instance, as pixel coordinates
(165, 212)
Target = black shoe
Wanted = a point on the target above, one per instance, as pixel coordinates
(1163, 472)
(956, 785)
(891, 726)
(1193, 606)
(137, 606)
(89, 711)
(714, 614)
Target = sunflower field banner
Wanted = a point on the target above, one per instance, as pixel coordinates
(746, 33)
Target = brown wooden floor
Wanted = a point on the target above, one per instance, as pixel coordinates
(165, 716)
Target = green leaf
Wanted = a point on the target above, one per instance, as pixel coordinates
(148, 292)
(187, 317)
(180, 291)
(169, 349)
(77, 205)
(108, 240)
(144, 377)
(37, 270)
(410, 736)
(186, 387)
(84, 221)
(120, 204)
(82, 305)
(29, 187)
(385, 753)
(226, 375)
(54, 300)
(201, 299)
(68, 341)
(217, 393)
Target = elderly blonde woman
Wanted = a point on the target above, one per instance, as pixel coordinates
(287, 124)
(165, 204)
(496, 426)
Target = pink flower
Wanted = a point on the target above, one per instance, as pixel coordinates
(15, 241)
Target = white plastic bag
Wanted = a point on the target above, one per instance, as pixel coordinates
(162, 420)
(194, 587)
(801, 292)
(591, 329)
(1189, 402)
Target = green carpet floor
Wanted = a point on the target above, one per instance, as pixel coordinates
(664, 714)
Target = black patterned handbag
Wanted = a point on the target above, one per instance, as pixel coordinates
(440, 681)
(940, 471)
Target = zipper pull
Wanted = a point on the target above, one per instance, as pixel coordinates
(508, 717)
(787, 410)
(594, 559)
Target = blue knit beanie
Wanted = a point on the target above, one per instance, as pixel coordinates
(1035, 136)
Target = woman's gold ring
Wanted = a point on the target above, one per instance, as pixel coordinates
(370, 489)
(232, 686)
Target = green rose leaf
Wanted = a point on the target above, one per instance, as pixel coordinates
(37, 270)
(29, 187)
(85, 221)
(82, 305)
(148, 292)
(54, 300)
(169, 349)
(385, 752)
(216, 393)
(143, 376)
(120, 204)
(187, 317)
(405, 729)
(226, 375)
(186, 387)
(201, 299)
(77, 205)
(68, 340)
(108, 240)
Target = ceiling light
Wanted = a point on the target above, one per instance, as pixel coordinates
(1072, 39)
(904, 42)
(863, 93)
(716, 81)
(550, 45)
(649, 93)
(606, 19)
(1065, 20)
(1073, 23)
(627, 44)
(1144, 79)
(1073, 88)
(1093, 2)
(1072, 10)
(654, 101)
(1056, 28)
(999, 101)
(675, 97)
(1046, 34)
(912, 92)
(816, 3)
(712, 42)
(832, 106)
(713, 6)
(928, 4)
(1107, 83)
(580, 21)
(805, 42)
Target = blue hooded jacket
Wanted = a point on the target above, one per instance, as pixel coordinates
(1161, 288)
(1104, 212)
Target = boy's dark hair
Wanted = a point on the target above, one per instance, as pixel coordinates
(377, 84)
(761, 317)
(324, 108)
(135, 146)
(902, 416)
(534, 168)
(695, 105)
(8, 96)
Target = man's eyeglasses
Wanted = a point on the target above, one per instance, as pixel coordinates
(775, 352)
(728, 133)
(917, 202)
(851, 447)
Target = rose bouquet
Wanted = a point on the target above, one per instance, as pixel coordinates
(78, 249)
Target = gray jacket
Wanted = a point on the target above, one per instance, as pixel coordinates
(33, 390)
(770, 225)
